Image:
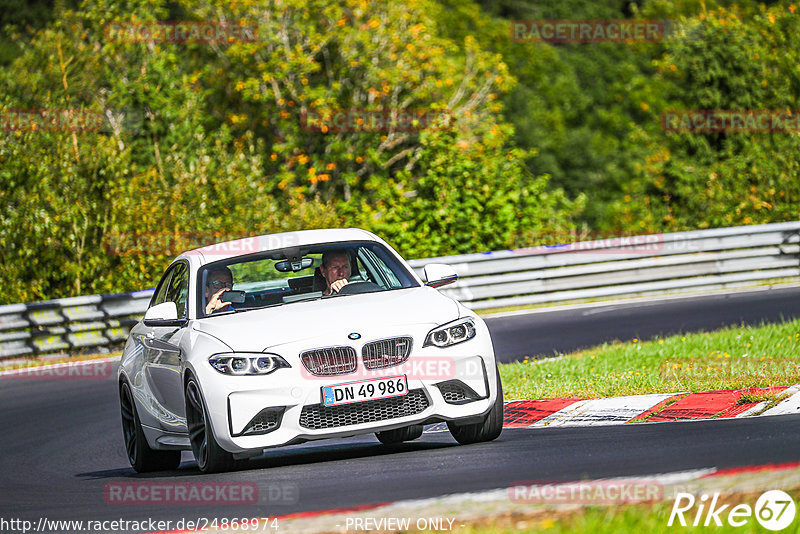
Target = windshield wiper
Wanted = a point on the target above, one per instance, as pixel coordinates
(314, 295)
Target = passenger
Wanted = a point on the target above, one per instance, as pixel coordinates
(218, 280)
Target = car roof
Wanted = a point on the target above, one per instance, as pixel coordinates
(263, 243)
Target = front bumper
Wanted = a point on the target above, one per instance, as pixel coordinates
(250, 413)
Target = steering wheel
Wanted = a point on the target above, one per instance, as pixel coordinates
(359, 286)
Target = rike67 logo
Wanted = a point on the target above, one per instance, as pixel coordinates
(774, 510)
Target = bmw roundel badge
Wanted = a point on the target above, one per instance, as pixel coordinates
(354, 335)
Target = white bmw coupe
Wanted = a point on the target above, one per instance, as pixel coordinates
(286, 338)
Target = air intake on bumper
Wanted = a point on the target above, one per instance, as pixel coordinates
(318, 416)
(457, 392)
(264, 422)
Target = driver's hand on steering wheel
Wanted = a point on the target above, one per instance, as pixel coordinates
(338, 285)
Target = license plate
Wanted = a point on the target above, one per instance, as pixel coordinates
(362, 390)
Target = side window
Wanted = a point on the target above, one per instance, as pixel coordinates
(161, 291)
(178, 291)
(361, 271)
(379, 272)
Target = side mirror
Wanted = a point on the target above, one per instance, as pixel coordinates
(439, 274)
(164, 314)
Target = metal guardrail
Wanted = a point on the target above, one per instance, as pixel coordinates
(625, 266)
(69, 324)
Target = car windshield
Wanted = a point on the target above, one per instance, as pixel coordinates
(300, 273)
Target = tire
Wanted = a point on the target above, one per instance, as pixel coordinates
(142, 458)
(210, 457)
(399, 435)
(487, 430)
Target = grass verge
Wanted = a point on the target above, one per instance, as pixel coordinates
(738, 357)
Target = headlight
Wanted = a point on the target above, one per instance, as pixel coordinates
(450, 334)
(247, 363)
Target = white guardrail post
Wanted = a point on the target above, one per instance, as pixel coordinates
(621, 266)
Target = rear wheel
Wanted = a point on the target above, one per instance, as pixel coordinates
(210, 457)
(140, 455)
(399, 435)
(487, 430)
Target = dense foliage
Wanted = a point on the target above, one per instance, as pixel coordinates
(206, 141)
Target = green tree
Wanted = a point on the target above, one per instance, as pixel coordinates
(205, 142)
(721, 59)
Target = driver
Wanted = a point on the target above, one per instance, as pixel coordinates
(335, 269)
(218, 280)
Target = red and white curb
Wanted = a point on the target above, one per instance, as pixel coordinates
(652, 408)
(608, 411)
(790, 405)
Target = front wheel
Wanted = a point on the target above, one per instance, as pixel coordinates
(487, 430)
(210, 457)
(142, 458)
(399, 435)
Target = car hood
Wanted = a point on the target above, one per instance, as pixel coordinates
(257, 330)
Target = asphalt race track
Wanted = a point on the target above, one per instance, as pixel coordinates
(61, 443)
(541, 335)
